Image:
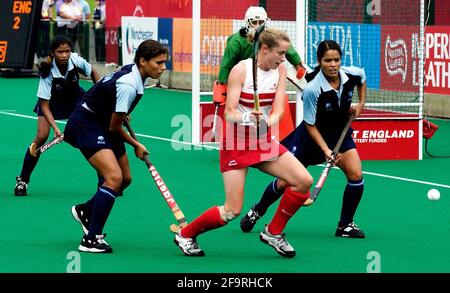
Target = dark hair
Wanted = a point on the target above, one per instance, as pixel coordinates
(325, 46)
(149, 49)
(46, 65)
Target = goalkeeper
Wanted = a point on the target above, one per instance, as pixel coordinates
(240, 48)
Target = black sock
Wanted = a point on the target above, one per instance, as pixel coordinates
(270, 195)
(350, 201)
(89, 206)
(29, 163)
(103, 204)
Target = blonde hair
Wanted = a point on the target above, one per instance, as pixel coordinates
(270, 37)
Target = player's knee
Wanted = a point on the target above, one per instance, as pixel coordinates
(299, 195)
(126, 181)
(355, 176)
(228, 216)
(113, 180)
(41, 138)
(281, 185)
(303, 183)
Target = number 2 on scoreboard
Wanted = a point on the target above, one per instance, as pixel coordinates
(16, 24)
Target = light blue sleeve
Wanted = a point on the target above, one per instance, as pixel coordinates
(309, 106)
(45, 88)
(125, 97)
(357, 71)
(81, 63)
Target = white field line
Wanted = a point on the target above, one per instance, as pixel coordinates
(3, 112)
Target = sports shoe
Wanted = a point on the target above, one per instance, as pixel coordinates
(81, 216)
(189, 246)
(98, 245)
(21, 187)
(350, 231)
(278, 242)
(249, 220)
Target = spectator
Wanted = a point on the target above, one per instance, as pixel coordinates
(83, 34)
(99, 30)
(69, 15)
(43, 42)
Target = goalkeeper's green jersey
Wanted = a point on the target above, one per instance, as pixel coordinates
(239, 48)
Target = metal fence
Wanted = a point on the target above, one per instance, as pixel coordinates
(88, 38)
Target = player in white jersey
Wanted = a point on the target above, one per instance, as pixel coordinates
(243, 148)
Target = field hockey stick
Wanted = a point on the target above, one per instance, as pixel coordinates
(330, 163)
(213, 135)
(45, 147)
(163, 189)
(255, 75)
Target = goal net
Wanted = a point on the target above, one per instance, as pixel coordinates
(384, 37)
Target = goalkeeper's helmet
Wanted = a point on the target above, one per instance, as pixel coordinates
(254, 17)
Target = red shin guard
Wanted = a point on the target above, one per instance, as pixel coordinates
(209, 220)
(289, 204)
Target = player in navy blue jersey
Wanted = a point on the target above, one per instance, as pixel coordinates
(58, 94)
(95, 127)
(327, 103)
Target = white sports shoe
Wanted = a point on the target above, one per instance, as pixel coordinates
(278, 242)
(189, 246)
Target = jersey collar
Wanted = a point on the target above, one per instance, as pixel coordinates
(55, 70)
(325, 85)
(138, 78)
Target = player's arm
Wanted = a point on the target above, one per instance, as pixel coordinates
(88, 69)
(124, 98)
(293, 58)
(235, 82)
(362, 99)
(310, 109)
(44, 95)
(45, 107)
(361, 87)
(95, 76)
(278, 103)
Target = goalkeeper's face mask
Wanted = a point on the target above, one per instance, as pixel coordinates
(254, 17)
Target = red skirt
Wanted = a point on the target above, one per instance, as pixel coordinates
(241, 148)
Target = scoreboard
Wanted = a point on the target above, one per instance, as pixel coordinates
(19, 24)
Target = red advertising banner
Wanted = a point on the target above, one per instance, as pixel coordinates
(399, 58)
(437, 60)
(337, 11)
(147, 8)
(112, 45)
(441, 12)
(375, 139)
(281, 10)
(387, 139)
(398, 12)
(226, 9)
